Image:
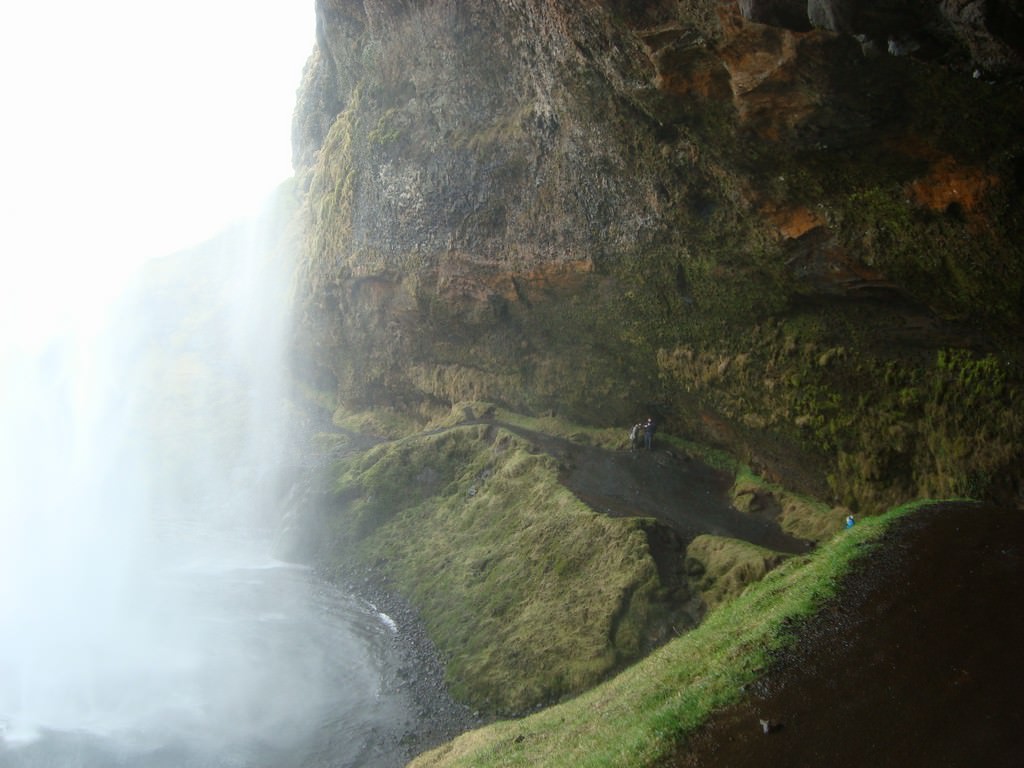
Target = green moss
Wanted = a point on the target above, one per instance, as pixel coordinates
(329, 203)
(381, 423)
(798, 515)
(638, 717)
(727, 567)
(389, 129)
(940, 259)
(949, 428)
(896, 426)
(528, 593)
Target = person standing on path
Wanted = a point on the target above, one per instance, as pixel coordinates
(649, 433)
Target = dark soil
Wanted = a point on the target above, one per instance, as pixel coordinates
(918, 662)
(679, 491)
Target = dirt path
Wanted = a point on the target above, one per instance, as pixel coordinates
(683, 493)
(917, 663)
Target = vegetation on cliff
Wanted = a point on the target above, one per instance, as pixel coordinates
(641, 715)
(770, 234)
(788, 244)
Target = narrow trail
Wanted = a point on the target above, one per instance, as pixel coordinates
(680, 492)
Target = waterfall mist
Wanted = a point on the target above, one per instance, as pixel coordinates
(143, 617)
(70, 528)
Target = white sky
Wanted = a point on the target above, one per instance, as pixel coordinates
(130, 130)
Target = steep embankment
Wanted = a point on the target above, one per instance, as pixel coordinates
(540, 562)
(792, 229)
(922, 674)
(913, 663)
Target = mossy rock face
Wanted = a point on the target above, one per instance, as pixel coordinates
(805, 254)
(528, 593)
(722, 568)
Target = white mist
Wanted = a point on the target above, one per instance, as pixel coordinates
(73, 500)
(143, 618)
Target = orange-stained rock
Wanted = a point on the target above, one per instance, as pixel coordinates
(792, 221)
(950, 183)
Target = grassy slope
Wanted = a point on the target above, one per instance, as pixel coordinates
(529, 593)
(634, 719)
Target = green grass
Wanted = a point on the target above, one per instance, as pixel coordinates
(529, 594)
(641, 715)
(601, 437)
(799, 515)
(728, 566)
(533, 598)
(381, 423)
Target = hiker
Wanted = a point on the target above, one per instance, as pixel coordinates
(649, 434)
(634, 436)
(849, 521)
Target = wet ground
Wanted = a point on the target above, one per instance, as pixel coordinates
(681, 492)
(919, 662)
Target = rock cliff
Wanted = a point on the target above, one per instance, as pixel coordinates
(791, 229)
(788, 231)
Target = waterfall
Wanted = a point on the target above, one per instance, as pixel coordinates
(72, 494)
(144, 620)
(136, 458)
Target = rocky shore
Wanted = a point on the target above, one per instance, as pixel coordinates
(419, 674)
